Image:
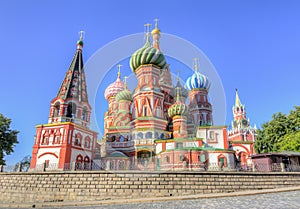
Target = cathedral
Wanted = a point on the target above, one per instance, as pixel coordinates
(157, 126)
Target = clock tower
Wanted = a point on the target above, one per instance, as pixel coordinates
(241, 136)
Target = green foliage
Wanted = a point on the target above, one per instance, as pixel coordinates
(280, 133)
(8, 138)
(24, 163)
(291, 142)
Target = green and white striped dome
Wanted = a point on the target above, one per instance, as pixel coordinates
(147, 55)
(124, 95)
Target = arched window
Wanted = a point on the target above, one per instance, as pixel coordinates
(121, 138)
(145, 111)
(78, 138)
(87, 142)
(162, 136)
(148, 135)
(56, 109)
(86, 159)
(71, 110)
(140, 136)
(85, 114)
(79, 159)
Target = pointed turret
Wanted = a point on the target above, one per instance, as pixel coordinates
(74, 84)
(237, 100)
(238, 110)
(71, 102)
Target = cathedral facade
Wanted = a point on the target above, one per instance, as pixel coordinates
(157, 126)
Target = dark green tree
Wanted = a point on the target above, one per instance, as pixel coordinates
(8, 138)
(279, 134)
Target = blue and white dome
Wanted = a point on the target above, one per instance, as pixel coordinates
(197, 81)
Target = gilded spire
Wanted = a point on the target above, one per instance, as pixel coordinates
(237, 99)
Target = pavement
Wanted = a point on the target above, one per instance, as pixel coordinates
(284, 198)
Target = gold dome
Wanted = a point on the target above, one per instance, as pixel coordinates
(155, 31)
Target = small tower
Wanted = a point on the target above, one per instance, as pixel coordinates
(200, 109)
(110, 95)
(178, 112)
(241, 136)
(67, 138)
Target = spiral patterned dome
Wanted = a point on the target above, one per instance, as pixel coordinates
(178, 108)
(114, 88)
(197, 81)
(124, 95)
(147, 55)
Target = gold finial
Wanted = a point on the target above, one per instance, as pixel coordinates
(81, 35)
(147, 30)
(196, 64)
(156, 30)
(119, 70)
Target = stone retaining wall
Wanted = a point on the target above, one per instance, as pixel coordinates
(103, 185)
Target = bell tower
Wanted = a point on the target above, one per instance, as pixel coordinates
(66, 138)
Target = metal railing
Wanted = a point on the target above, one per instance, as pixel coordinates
(152, 165)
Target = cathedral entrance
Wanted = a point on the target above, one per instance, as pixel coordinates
(144, 157)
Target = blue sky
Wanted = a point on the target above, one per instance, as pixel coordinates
(254, 46)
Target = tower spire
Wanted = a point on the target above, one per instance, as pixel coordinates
(156, 35)
(119, 71)
(237, 99)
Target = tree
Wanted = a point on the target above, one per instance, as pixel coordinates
(291, 142)
(25, 164)
(280, 133)
(8, 138)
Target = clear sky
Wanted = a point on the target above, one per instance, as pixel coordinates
(253, 44)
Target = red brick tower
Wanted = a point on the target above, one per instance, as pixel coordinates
(241, 136)
(66, 138)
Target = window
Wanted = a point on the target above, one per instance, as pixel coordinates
(140, 136)
(56, 109)
(148, 135)
(145, 111)
(45, 140)
(179, 145)
(87, 143)
(71, 110)
(56, 140)
(166, 159)
(85, 114)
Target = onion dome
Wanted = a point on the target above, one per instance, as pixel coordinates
(178, 108)
(197, 80)
(147, 55)
(80, 42)
(114, 88)
(124, 95)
